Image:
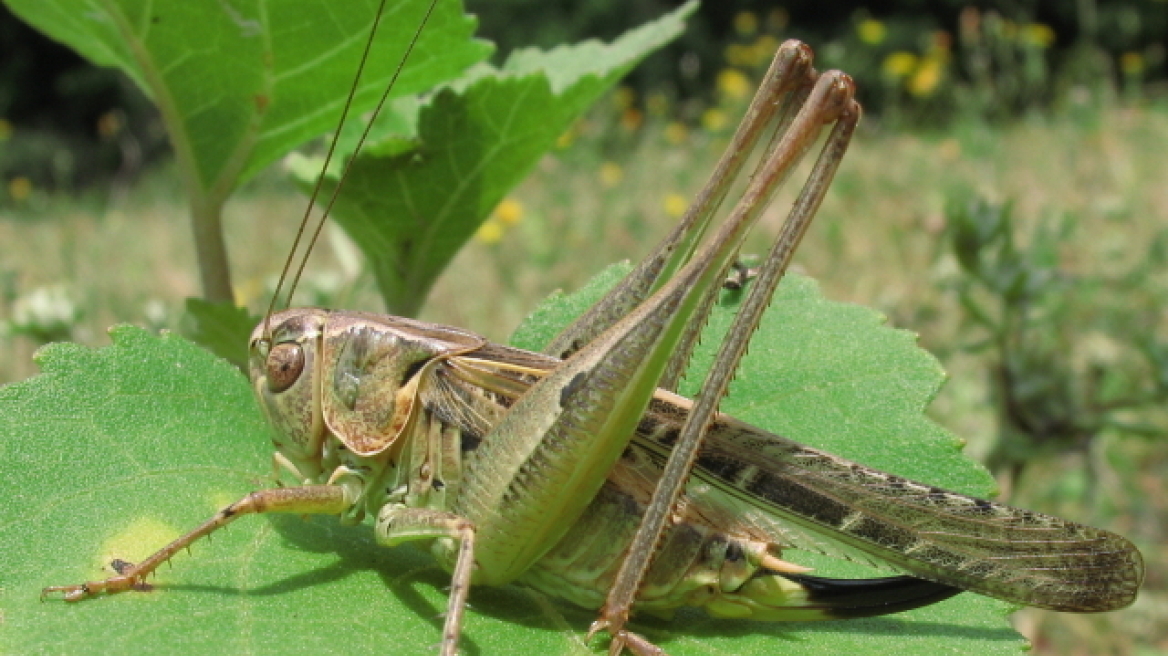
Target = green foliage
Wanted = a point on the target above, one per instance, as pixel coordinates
(221, 328)
(435, 168)
(419, 191)
(436, 165)
(123, 448)
(272, 81)
(913, 61)
(1067, 362)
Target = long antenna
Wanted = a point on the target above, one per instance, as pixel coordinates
(304, 221)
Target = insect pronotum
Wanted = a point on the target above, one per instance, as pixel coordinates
(509, 463)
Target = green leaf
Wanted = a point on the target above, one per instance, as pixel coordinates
(411, 209)
(559, 309)
(221, 328)
(112, 452)
(240, 84)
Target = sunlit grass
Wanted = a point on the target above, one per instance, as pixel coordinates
(613, 190)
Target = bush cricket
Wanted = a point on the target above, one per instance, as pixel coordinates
(509, 464)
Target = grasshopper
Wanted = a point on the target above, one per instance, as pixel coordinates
(581, 473)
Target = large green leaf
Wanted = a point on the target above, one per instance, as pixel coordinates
(112, 452)
(413, 198)
(242, 83)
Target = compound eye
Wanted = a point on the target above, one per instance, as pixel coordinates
(285, 364)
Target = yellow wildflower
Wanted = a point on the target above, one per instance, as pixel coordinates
(657, 103)
(949, 150)
(1131, 63)
(714, 120)
(508, 212)
(675, 205)
(490, 232)
(109, 124)
(871, 31)
(733, 84)
(624, 97)
(248, 290)
(969, 25)
(739, 55)
(611, 174)
(777, 19)
(745, 23)
(899, 64)
(676, 133)
(631, 119)
(763, 49)
(19, 188)
(566, 139)
(941, 42)
(1040, 35)
(926, 78)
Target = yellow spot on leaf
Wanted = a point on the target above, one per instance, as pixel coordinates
(221, 500)
(136, 542)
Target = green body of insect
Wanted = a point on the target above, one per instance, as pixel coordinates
(578, 473)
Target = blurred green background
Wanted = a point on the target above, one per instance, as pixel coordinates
(1005, 198)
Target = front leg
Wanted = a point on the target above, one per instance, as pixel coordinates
(304, 500)
(397, 524)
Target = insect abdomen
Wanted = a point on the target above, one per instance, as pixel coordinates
(700, 567)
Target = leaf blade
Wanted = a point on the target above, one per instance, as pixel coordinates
(412, 210)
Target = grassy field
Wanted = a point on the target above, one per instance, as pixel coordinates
(126, 257)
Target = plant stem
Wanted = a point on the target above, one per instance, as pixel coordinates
(211, 250)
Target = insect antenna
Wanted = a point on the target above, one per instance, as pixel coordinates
(305, 220)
